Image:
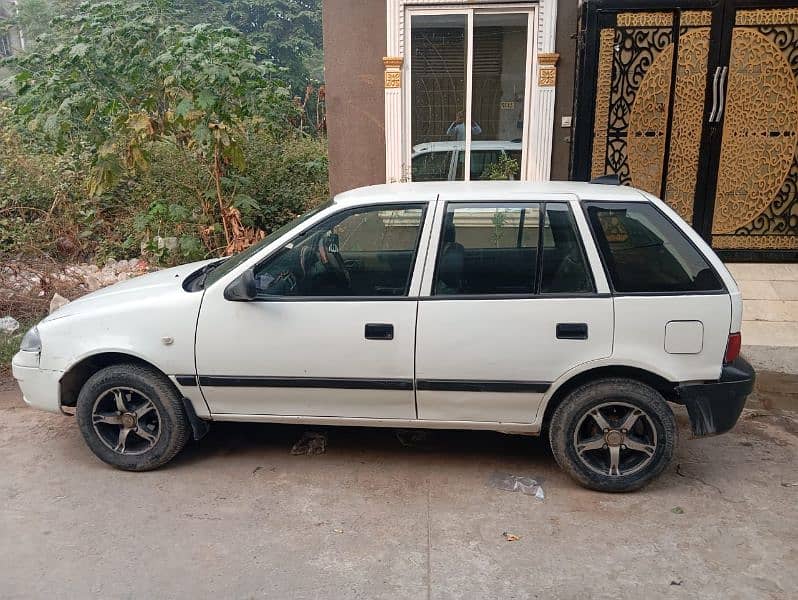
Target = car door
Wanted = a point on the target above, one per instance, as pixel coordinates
(323, 338)
(508, 305)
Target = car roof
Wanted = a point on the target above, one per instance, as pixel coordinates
(425, 147)
(488, 191)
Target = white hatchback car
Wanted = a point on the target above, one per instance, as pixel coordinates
(573, 309)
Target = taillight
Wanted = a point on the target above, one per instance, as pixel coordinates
(732, 348)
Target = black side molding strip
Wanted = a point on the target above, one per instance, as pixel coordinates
(475, 385)
(357, 383)
(339, 383)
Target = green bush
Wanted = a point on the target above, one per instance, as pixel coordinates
(174, 198)
(45, 207)
(286, 177)
(42, 200)
(134, 133)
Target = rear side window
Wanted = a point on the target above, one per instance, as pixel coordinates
(488, 249)
(510, 249)
(644, 252)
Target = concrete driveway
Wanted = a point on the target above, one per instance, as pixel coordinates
(237, 516)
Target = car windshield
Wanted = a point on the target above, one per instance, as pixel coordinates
(237, 259)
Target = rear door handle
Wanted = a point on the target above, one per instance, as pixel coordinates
(379, 331)
(571, 331)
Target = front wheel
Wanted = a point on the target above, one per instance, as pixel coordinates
(613, 435)
(132, 417)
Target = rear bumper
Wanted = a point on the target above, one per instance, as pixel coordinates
(714, 407)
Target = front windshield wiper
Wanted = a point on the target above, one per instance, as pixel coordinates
(196, 281)
(205, 271)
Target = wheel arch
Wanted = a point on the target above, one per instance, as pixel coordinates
(79, 373)
(658, 382)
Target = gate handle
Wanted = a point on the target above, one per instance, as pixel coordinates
(714, 95)
(722, 104)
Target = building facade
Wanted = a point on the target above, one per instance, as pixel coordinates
(695, 101)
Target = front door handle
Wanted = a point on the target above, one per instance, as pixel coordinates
(379, 331)
(571, 331)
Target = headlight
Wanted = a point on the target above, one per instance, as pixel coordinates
(31, 342)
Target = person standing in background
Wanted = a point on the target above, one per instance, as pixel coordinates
(457, 128)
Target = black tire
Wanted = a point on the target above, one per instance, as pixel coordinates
(616, 401)
(164, 422)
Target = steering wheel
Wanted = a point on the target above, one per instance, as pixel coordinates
(331, 259)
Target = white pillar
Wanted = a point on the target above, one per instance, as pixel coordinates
(393, 94)
(545, 77)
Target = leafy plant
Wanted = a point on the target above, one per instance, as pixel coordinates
(504, 168)
(498, 220)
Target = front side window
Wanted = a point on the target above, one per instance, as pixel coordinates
(232, 263)
(644, 252)
(361, 252)
(493, 249)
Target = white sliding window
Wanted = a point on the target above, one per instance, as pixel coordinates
(468, 102)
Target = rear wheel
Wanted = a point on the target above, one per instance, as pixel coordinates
(613, 435)
(132, 417)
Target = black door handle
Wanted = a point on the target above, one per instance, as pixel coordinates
(571, 331)
(379, 331)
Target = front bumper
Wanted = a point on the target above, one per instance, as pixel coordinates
(40, 387)
(714, 407)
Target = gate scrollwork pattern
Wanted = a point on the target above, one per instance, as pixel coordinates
(755, 205)
(757, 190)
(635, 51)
(688, 114)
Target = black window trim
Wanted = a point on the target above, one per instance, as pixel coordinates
(422, 204)
(538, 274)
(585, 204)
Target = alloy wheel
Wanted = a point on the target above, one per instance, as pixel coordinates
(126, 421)
(615, 439)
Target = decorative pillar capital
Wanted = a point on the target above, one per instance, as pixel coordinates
(393, 62)
(548, 58)
(547, 68)
(393, 71)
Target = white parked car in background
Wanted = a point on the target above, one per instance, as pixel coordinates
(574, 309)
(445, 161)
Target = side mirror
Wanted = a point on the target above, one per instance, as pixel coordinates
(243, 289)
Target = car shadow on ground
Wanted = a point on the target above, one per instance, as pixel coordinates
(227, 439)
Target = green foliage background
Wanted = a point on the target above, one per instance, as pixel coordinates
(130, 122)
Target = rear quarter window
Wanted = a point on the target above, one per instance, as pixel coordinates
(644, 252)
